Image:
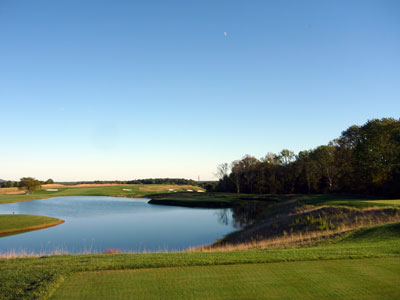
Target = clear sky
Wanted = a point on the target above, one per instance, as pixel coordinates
(137, 89)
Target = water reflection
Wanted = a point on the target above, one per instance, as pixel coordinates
(95, 224)
(248, 213)
(241, 215)
(100, 223)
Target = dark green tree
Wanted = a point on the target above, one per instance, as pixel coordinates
(29, 184)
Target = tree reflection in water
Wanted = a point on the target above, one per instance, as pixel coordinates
(242, 215)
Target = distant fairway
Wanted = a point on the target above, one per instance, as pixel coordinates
(127, 190)
(336, 279)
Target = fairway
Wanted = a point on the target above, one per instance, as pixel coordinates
(336, 279)
(132, 190)
(393, 202)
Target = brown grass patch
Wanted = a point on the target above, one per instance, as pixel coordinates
(11, 191)
(52, 186)
(94, 185)
(158, 188)
(112, 251)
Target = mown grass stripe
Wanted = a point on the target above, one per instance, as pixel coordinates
(340, 279)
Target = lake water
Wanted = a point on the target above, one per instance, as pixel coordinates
(96, 224)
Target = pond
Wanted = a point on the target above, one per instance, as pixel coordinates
(96, 224)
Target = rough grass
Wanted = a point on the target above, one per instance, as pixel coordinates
(99, 190)
(35, 278)
(337, 279)
(13, 224)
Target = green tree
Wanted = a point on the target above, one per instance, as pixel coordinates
(8, 184)
(377, 154)
(29, 184)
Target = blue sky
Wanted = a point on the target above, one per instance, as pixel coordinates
(128, 89)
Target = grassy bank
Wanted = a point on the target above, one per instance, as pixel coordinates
(13, 224)
(304, 219)
(34, 278)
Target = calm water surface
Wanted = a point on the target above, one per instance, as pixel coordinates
(99, 223)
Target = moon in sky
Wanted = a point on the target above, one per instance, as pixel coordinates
(225, 34)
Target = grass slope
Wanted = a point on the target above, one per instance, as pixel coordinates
(13, 224)
(337, 279)
(35, 278)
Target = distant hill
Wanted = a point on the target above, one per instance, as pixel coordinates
(1, 180)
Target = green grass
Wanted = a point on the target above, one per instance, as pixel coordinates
(115, 191)
(34, 278)
(345, 200)
(390, 202)
(13, 224)
(338, 279)
(376, 234)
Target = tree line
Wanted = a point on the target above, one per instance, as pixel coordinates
(178, 181)
(363, 160)
(34, 182)
(24, 182)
